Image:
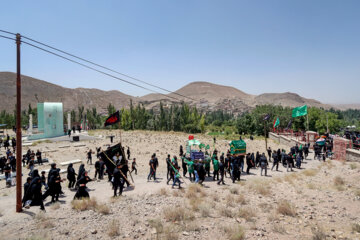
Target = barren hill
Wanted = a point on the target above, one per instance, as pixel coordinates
(35, 90)
(206, 96)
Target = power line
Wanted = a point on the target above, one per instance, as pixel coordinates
(96, 70)
(7, 37)
(109, 69)
(7, 32)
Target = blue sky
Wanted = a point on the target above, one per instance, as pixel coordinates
(308, 47)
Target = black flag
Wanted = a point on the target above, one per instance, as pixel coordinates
(289, 124)
(114, 118)
(267, 117)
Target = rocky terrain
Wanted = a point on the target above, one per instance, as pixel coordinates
(319, 201)
(206, 96)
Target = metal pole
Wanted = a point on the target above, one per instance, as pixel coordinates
(18, 126)
(327, 123)
(265, 135)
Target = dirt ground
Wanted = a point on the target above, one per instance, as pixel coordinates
(320, 201)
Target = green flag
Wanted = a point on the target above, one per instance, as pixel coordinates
(299, 111)
(276, 122)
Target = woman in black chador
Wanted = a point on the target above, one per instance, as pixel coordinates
(71, 175)
(81, 192)
(33, 196)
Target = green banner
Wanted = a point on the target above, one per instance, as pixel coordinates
(299, 111)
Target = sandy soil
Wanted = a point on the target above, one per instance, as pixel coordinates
(322, 200)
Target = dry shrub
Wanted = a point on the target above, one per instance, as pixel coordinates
(278, 179)
(290, 178)
(179, 193)
(169, 234)
(274, 216)
(103, 209)
(339, 183)
(43, 221)
(311, 186)
(353, 166)
(310, 172)
(204, 209)
(318, 233)
(230, 201)
(177, 214)
(247, 213)
(55, 206)
(225, 212)
(90, 204)
(215, 197)
(241, 199)
(194, 203)
(84, 204)
(357, 192)
(286, 208)
(266, 207)
(163, 192)
(113, 229)
(279, 228)
(356, 227)
(234, 190)
(156, 223)
(235, 233)
(261, 187)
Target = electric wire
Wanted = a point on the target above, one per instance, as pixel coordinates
(99, 71)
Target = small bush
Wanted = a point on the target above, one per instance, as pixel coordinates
(261, 187)
(339, 183)
(204, 210)
(234, 190)
(43, 221)
(241, 199)
(177, 214)
(235, 233)
(310, 172)
(353, 166)
(230, 201)
(279, 228)
(103, 209)
(114, 229)
(247, 213)
(356, 227)
(357, 192)
(318, 233)
(225, 212)
(156, 223)
(90, 204)
(286, 208)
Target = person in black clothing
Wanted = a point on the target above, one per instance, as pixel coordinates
(97, 169)
(81, 171)
(290, 162)
(257, 159)
(306, 151)
(181, 150)
(98, 150)
(33, 194)
(13, 143)
(296, 148)
(263, 164)
(81, 192)
(133, 166)
(156, 165)
(249, 163)
(168, 160)
(128, 153)
(201, 172)
(69, 133)
(184, 165)
(125, 169)
(227, 165)
(12, 162)
(152, 169)
(241, 162)
(39, 158)
(26, 187)
(43, 180)
(2, 164)
(236, 169)
(118, 181)
(221, 171)
(276, 161)
(54, 182)
(89, 157)
(73, 128)
(269, 153)
(71, 175)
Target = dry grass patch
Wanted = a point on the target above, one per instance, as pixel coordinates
(356, 227)
(310, 172)
(230, 201)
(90, 204)
(274, 216)
(339, 183)
(234, 190)
(204, 209)
(260, 186)
(266, 207)
(311, 186)
(353, 166)
(290, 178)
(225, 212)
(163, 192)
(156, 223)
(279, 228)
(357, 192)
(113, 229)
(318, 233)
(194, 190)
(286, 208)
(43, 221)
(178, 193)
(247, 213)
(241, 199)
(55, 206)
(177, 214)
(235, 233)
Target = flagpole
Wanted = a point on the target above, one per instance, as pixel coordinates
(307, 120)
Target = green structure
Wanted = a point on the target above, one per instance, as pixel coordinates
(50, 120)
(238, 147)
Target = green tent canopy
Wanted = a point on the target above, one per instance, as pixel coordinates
(238, 147)
(194, 142)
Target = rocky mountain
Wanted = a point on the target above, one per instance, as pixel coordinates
(206, 96)
(35, 90)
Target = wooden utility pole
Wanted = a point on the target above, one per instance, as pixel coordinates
(18, 127)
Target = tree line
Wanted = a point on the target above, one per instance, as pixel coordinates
(186, 118)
